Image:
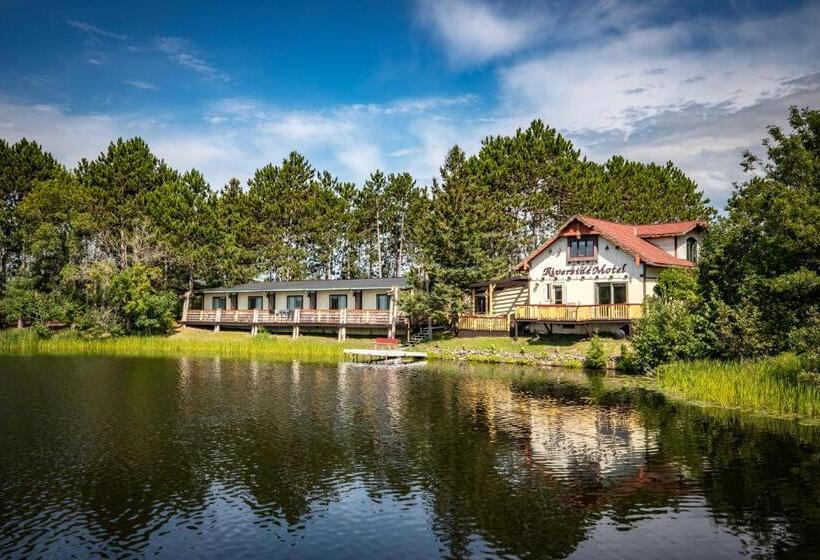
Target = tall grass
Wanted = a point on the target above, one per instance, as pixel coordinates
(777, 385)
(284, 348)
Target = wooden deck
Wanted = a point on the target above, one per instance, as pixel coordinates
(363, 354)
(617, 312)
(302, 317)
(580, 314)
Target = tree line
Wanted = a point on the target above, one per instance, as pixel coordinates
(109, 245)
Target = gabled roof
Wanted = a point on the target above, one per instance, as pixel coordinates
(674, 228)
(314, 285)
(628, 237)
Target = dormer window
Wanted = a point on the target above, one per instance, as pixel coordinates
(583, 248)
(692, 249)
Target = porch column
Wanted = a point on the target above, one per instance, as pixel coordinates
(342, 324)
(217, 319)
(185, 305)
(255, 323)
(490, 291)
(296, 314)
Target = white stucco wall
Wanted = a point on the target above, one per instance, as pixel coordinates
(579, 289)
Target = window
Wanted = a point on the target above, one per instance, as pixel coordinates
(218, 303)
(295, 302)
(338, 301)
(606, 294)
(583, 248)
(254, 302)
(383, 301)
(692, 249)
(558, 294)
(357, 299)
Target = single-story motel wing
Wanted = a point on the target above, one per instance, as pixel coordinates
(591, 275)
(364, 306)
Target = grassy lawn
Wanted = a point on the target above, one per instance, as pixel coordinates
(563, 350)
(187, 342)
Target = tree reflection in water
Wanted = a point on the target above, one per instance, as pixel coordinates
(206, 457)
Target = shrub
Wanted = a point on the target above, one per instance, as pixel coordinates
(627, 360)
(806, 342)
(667, 332)
(596, 356)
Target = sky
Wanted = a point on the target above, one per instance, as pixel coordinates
(229, 87)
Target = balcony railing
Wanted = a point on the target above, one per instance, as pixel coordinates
(579, 313)
(350, 317)
(484, 323)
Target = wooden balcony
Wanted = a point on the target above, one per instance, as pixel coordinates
(579, 313)
(484, 323)
(262, 317)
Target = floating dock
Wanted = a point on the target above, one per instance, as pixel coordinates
(365, 355)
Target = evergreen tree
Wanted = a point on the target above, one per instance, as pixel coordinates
(460, 238)
(235, 258)
(119, 180)
(184, 216)
(22, 166)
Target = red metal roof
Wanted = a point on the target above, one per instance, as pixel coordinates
(674, 228)
(629, 238)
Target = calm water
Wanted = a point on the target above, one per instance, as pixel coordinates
(121, 457)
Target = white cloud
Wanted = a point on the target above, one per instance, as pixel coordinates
(94, 34)
(140, 84)
(643, 95)
(181, 52)
(474, 31)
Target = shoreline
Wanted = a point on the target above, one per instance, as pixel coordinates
(554, 354)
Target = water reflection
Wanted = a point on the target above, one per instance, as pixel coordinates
(207, 458)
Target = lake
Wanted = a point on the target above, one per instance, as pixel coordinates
(211, 458)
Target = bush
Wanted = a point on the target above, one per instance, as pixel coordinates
(667, 332)
(627, 360)
(99, 322)
(145, 310)
(806, 342)
(596, 356)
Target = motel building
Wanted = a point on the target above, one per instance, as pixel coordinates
(592, 275)
(360, 306)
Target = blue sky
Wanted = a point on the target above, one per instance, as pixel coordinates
(227, 88)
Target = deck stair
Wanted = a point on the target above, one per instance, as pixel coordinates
(425, 333)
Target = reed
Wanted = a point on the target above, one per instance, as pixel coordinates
(777, 385)
(230, 345)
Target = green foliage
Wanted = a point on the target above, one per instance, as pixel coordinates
(596, 356)
(146, 310)
(668, 332)
(22, 166)
(627, 360)
(760, 267)
(806, 342)
(678, 284)
(21, 303)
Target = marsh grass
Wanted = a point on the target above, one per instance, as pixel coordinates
(777, 385)
(311, 349)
